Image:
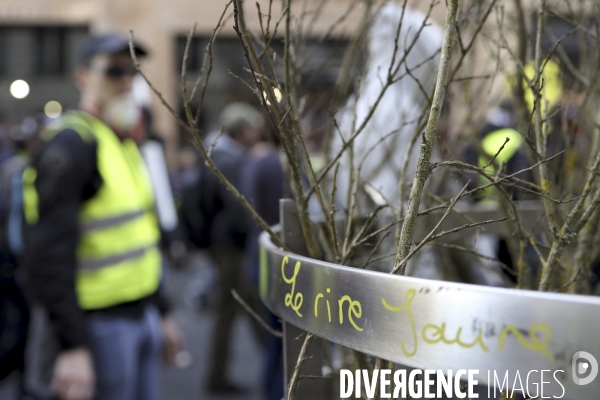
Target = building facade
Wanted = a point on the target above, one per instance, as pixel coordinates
(38, 40)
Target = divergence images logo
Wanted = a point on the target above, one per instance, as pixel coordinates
(580, 367)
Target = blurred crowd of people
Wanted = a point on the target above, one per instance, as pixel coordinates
(90, 224)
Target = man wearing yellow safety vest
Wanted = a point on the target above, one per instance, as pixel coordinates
(558, 94)
(91, 244)
(499, 125)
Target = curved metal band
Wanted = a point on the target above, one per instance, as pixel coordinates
(434, 324)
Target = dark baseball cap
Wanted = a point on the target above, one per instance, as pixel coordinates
(108, 43)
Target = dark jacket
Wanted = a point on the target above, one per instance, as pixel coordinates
(263, 186)
(212, 215)
(14, 309)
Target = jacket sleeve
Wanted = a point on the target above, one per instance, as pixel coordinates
(66, 170)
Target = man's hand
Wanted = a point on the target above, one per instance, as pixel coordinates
(173, 341)
(177, 252)
(74, 375)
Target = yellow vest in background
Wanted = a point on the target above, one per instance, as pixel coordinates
(118, 259)
(491, 143)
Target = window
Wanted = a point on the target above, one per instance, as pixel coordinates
(195, 53)
(3, 51)
(50, 51)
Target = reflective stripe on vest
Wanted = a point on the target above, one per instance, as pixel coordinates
(109, 222)
(117, 255)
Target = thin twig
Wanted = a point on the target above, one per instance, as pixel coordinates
(453, 246)
(200, 147)
(254, 315)
(295, 379)
(402, 264)
(381, 239)
(423, 165)
(214, 142)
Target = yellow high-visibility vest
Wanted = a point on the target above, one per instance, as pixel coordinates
(550, 83)
(118, 259)
(491, 143)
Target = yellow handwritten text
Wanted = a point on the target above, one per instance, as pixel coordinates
(534, 344)
(320, 295)
(317, 304)
(354, 307)
(433, 334)
(440, 331)
(410, 295)
(298, 298)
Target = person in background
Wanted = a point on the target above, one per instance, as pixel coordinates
(263, 185)
(561, 102)
(188, 171)
(6, 147)
(500, 124)
(14, 307)
(92, 251)
(225, 221)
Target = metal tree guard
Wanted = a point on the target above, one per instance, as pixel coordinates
(424, 323)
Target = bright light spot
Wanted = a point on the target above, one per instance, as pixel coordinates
(277, 94)
(19, 89)
(52, 109)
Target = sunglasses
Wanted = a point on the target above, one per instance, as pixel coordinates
(117, 72)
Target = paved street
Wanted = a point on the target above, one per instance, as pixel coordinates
(196, 325)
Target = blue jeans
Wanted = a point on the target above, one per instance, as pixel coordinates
(127, 354)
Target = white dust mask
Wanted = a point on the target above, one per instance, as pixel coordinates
(122, 112)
